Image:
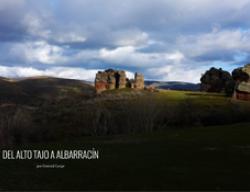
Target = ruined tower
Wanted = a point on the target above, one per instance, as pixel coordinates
(121, 80)
(139, 81)
(112, 79)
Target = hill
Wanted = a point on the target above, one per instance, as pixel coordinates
(181, 137)
(38, 88)
(55, 109)
(174, 85)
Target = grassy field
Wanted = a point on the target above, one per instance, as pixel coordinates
(211, 158)
(168, 140)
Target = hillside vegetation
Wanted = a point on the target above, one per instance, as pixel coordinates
(49, 109)
(166, 140)
(39, 89)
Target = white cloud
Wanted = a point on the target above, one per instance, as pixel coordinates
(130, 56)
(178, 73)
(130, 38)
(174, 40)
(36, 25)
(217, 40)
(130, 74)
(60, 72)
(40, 51)
(119, 54)
(70, 37)
(7, 4)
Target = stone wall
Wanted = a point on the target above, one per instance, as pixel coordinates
(122, 80)
(101, 82)
(139, 81)
(112, 79)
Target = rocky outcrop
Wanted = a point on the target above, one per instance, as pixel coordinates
(241, 76)
(112, 79)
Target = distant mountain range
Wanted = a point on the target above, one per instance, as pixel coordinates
(174, 85)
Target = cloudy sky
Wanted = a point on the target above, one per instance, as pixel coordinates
(164, 39)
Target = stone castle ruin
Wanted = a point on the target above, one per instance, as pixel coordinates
(112, 79)
(242, 90)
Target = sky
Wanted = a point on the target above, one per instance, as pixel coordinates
(168, 40)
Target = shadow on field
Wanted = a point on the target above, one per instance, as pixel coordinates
(56, 120)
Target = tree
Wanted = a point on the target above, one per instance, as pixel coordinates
(216, 80)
